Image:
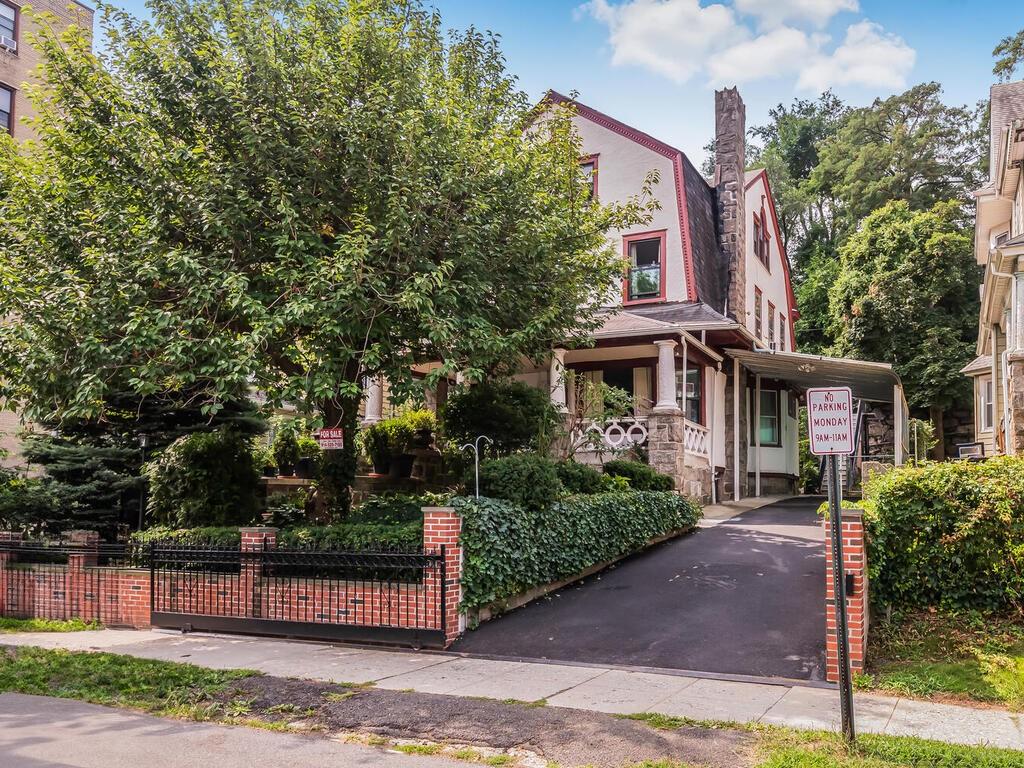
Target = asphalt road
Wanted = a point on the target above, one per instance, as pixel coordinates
(39, 732)
(744, 597)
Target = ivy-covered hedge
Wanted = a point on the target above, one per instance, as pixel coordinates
(508, 549)
(948, 534)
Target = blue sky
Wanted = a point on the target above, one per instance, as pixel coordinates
(655, 63)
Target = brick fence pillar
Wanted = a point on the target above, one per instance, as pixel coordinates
(442, 526)
(7, 538)
(249, 600)
(855, 565)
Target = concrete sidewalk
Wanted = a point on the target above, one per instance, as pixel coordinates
(594, 688)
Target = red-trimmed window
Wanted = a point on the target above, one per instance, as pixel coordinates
(645, 258)
(6, 109)
(782, 333)
(758, 318)
(9, 26)
(589, 167)
(762, 240)
(771, 325)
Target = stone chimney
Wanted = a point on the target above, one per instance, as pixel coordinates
(730, 162)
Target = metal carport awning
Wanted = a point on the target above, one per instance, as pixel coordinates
(877, 382)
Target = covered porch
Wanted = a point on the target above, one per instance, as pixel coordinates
(872, 384)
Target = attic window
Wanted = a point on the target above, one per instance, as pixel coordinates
(762, 239)
(645, 256)
(588, 166)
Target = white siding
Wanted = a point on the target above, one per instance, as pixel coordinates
(621, 168)
(771, 280)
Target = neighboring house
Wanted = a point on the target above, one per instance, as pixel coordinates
(998, 371)
(19, 62)
(702, 336)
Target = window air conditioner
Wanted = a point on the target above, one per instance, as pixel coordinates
(8, 43)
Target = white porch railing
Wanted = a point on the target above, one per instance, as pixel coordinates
(612, 434)
(695, 438)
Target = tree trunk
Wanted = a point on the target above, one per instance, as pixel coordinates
(338, 471)
(939, 451)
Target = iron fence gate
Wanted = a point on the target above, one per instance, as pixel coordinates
(391, 597)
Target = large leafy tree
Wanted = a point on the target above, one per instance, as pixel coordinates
(908, 147)
(289, 195)
(1009, 55)
(907, 294)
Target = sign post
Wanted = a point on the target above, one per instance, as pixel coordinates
(830, 428)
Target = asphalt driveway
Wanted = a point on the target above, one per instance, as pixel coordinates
(744, 597)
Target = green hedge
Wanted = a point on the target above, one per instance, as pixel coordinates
(353, 536)
(641, 476)
(509, 549)
(339, 536)
(948, 534)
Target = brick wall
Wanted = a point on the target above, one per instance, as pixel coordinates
(121, 597)
(21, 67)
(855, 564)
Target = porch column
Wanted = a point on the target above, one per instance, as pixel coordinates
(1018, 307)
(738, 439)
(757, 434)
(556, 379)
(666, 377)
(374, 400)
(897, 419)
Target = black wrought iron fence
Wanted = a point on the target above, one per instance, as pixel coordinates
(392, 596)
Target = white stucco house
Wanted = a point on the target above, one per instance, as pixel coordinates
(702, 334)
(998, 371)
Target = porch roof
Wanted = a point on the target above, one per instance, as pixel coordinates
(980, 364)
(867, 380)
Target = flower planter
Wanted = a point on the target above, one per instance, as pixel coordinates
(401, 466)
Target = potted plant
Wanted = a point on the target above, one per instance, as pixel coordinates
(263, 458)
(400, 436)
(378, 447)
(423, 423)
(286, 451)
(309, 457)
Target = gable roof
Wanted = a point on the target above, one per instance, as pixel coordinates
(704, 262)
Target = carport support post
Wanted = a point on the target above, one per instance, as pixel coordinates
(839, 597)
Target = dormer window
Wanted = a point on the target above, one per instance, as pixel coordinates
(645, 256)
(8, 26)
(589, 168)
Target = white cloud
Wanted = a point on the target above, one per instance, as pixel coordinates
(782, 51)
(681, 39)
(670, 37)
(869, 56)
(772, 13)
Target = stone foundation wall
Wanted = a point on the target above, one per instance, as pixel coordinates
(1015, 429)
(774, 485)
(665, 449)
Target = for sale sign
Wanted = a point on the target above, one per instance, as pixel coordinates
(830, 420)
(331, 439)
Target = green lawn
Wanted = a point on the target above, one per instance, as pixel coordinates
(966, 657)
(184, 691)
(8, 626)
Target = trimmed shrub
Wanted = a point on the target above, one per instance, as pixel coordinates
(527, 479)
(508, 549)
(204, 479)
(512, 414)
(641, 477)
(396, 508)
(948, 534)
(213, 536)
(582, 478)
(358, 536)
